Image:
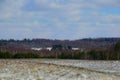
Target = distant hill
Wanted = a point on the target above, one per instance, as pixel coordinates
(88, 43)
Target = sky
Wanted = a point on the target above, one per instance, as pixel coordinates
(59, 19)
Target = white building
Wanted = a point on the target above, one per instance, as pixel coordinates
(75, 49)
(49, 48)
(38, 49)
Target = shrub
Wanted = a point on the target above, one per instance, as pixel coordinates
(28, 55)
(5, 55)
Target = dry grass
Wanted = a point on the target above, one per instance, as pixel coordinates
(38, 70)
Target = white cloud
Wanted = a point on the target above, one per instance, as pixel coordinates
(11, 8)
(83, 15)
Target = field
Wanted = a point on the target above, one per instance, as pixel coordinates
(49, 69)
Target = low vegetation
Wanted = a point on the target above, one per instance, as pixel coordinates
(8, 55)
(24, 55)
(113, 54)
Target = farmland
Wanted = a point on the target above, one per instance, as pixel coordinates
(50, 69)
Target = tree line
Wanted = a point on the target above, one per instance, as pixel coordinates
(113, 54)
(8, 55)
(88, 43)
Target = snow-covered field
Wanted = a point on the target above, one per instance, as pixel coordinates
(101, 66)
(49, 69)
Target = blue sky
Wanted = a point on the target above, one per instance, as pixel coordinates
(59, 19)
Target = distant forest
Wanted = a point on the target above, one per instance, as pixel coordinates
(93, 49)
(88, 43)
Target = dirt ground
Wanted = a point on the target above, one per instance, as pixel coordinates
(48, 70)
